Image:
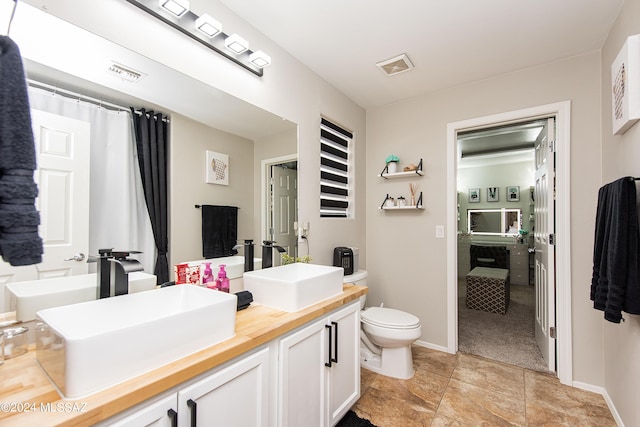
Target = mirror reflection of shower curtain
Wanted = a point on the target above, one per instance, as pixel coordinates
(118, 214)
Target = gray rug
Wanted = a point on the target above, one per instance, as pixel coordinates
(508, 338)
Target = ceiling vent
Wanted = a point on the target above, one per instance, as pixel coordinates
(396, 65)
(125, 73)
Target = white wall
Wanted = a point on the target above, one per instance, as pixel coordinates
(620, 157)
(405, 260)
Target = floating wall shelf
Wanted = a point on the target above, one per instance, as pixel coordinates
(418, 205)
(385, 172)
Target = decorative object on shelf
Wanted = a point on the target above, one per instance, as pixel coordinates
(492, 194)
(217, 168)
(392, 163)
(474, 195)
(288, 259)
(410, 170)
(389, 202)
(402, 201)
(413, 187)
(625, 85)
(513, 193)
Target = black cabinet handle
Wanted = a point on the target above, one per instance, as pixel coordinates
(174, 417)
(193, 406)
(330, 328)
(335, 338)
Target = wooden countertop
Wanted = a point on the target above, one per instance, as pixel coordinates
(25, 389)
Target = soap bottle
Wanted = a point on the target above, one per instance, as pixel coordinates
(223, 280)
(207, 277)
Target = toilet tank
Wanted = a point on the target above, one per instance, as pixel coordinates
(360, 279)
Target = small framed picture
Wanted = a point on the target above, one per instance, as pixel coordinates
(513, 193)
(474, 195)
(217, 171)
(492, 194)
(625, 100)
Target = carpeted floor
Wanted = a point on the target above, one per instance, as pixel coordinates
(508, 338)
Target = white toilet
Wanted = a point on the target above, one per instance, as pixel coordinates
(386, 336)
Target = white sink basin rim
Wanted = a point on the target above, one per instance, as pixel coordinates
(293, 287)
(87, 347)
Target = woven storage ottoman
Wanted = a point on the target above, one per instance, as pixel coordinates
(488, 289)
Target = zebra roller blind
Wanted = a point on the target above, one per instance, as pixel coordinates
(335, 143)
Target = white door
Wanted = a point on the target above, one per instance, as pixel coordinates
(62, 151)
(284, 208)
(544, 210)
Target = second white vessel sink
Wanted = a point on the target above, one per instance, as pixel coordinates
(92, 345)
(293, 287)
(27, 298)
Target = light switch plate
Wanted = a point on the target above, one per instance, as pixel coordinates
(439, 231)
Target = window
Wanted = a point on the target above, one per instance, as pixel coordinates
(334, 170)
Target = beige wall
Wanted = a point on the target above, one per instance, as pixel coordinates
(405, 260)
(187, 187)
(620, 157)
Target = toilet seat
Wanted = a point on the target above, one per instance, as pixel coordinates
(389, 318)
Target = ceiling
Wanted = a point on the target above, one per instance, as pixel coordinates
(450, 42)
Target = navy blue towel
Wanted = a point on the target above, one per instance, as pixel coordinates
(615, 282)
(20, 243)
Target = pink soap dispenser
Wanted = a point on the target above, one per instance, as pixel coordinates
(207, 277)
(223, 280)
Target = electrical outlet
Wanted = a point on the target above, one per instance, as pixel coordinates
(439, 231)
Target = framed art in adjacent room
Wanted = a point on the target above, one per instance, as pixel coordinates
(625, 86)
(474, 195)
(513, 193)
(492, 194)
(217, 168)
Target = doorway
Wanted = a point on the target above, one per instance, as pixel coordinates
(280, 203)
(561, 276)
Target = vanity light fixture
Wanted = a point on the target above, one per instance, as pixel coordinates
(260, 59)
(209, 26)
(206, 30)
(177, 7)
(236, 44)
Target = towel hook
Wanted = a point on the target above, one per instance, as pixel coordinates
(13, 12)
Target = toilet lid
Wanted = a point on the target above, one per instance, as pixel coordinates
(389, 318)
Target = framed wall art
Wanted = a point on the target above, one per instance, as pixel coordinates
(474, 195)
(513, 193)
(217, 168)
(492, 194)
(625, 86)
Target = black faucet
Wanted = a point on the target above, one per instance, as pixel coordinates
(113, 272)
(267, 252)
(248, 253)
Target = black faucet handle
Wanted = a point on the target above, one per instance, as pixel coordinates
(248, 241)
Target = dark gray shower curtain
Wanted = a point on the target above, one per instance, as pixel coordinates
(151, 142)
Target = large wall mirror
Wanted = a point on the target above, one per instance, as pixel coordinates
(62, 55)
(494, 222)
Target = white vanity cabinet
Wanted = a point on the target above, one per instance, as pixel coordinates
(319, 370)
(234, 396)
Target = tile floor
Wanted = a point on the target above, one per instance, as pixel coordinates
(465, 390)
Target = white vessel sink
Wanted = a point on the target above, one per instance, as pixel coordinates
(86, 347)
(234, 265)
(293, 287)
(27, 298)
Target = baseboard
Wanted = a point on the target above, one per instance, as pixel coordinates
(432, 346)
(607, 398)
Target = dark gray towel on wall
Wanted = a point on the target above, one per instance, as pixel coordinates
(219, 230)
(615, 283)
(20, 243)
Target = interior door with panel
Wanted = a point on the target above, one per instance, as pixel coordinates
(284, 208)
(544, 211)
(62, 154)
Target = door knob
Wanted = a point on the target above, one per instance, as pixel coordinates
(77, 257)
(532, 250)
